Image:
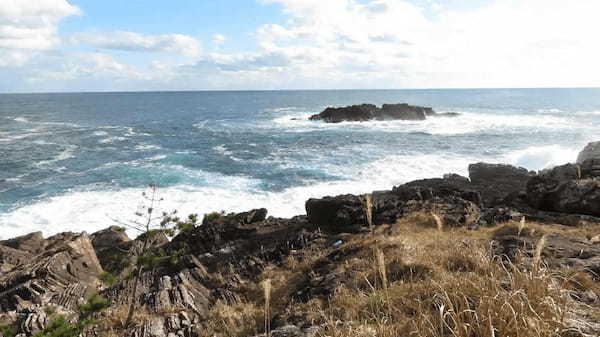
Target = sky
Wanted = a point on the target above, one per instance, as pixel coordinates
(137, 45)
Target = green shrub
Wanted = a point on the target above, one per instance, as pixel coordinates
(213, 216)
(6, 331)
(109, 279)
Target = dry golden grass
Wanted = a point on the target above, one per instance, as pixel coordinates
(422, 280)
(417, 278)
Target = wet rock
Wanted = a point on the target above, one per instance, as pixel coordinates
(357, 113)
(366, 112)
(403, 112)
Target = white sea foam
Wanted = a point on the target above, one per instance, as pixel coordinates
(466, 123)
(111, 140)
(541, 157)
(21, 120)
(92, 210)
(147, 147)
(157, 157)
(67, 153)
(100, 133)
(221, 149)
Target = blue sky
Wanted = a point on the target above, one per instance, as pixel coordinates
(85, 45)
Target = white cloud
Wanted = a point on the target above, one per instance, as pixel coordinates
(27, 27)
(86, 66)
(503, 43)
(129, 41)
(219, 39)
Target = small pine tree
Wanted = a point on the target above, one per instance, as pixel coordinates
(150, 225)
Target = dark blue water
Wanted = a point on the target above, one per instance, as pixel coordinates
(74, 161)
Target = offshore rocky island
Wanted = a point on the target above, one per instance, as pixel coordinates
(505, 251)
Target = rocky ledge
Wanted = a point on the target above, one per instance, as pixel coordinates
(437, 235)
(367, 112)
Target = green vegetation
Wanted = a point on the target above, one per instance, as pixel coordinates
(213, 216)
(109, 279)
(60, 327)
(6, 331)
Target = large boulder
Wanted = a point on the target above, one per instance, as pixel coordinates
(496, 181)
(573, 189)
(344, 213)
(366, 112)
(591, 151)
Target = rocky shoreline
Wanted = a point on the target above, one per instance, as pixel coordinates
(222, 261)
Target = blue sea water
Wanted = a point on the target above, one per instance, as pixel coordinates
(75, 161)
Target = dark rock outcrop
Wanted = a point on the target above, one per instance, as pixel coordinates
(404, 112)
(496, 181)
(344, 213)
(450, 198)
(571, 189)
(355, 113)
(366, 112)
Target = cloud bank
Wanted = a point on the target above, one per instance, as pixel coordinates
(337, 44)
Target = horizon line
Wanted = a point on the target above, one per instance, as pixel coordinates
(277, 90)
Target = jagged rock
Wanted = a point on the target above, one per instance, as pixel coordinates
(59, 275)
(496, 181)
(566, 189)
(112, 247)
(10, 257)
(365, 112)
(427, 189)
(344, 213)
(590, 151)
(33, 243)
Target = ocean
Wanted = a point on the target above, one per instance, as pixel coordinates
(80, 161)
